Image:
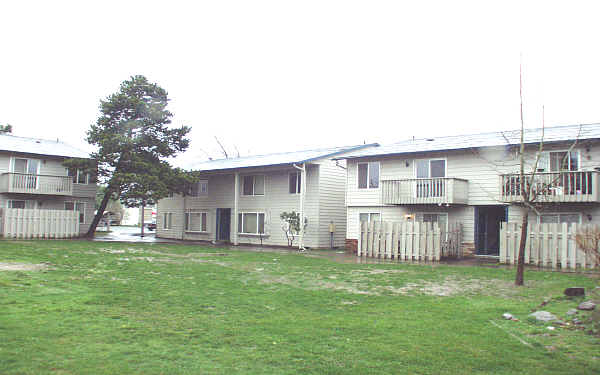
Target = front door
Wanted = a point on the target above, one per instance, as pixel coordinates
(487, 229)
(223, 224)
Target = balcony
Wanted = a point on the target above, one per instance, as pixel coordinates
(35, 184)
(443, 190)
(552, 187)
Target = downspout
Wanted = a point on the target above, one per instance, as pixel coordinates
(302, 198)
(236, 193)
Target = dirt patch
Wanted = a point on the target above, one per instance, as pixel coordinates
(23, 267)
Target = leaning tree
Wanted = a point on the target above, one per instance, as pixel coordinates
(134, 142)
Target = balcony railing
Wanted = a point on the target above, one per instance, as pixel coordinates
(443, 190)
(568, 186)
(35, 184)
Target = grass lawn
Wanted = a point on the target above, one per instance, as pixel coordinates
(110, 308)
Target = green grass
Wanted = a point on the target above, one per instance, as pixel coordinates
(110, 308)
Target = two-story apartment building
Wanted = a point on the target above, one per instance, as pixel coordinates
(240, 200)
(32, 176)
(474, 180)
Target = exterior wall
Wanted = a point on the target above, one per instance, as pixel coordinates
(332, 189)
(276, 200)
(482, 169)
(52, 166)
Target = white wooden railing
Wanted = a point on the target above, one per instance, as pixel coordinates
(571, 186)
(444, 190)
(35, 184)
(33, 223)
(547, 245)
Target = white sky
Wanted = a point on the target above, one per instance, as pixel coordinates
(271, 76)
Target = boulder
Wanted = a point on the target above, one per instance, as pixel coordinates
(587, 305)
(543, 316)
(507, 316)
(574, 292)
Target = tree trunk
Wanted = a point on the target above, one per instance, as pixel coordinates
(143, 216)
(519, 280)
(90, 233)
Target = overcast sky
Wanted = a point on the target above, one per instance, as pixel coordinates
(271, 76)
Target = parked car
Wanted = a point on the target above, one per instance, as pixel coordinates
(151, 226)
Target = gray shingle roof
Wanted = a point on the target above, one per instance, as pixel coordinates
(36, 146)
(274, 159)
(456, 142)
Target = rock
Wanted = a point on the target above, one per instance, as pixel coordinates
(543, 316)
(587, 305)
(572, 312)
(574, 292)
(507, 316)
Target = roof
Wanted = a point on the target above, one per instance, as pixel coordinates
(39, 147)
(276, 159)
(457, 142)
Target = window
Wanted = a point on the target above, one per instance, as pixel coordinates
(568, 218)
(564, 161)
(25, 166)
(77, 206)
(368, 175)
(199, 188)
(251, 222)
(253, 185)
(79, 176)
(440, 218)
(21, 204)
(167, 220)
(195, 221)
(429, 174)
(368, 217)
(295, 182)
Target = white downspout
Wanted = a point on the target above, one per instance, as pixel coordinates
(236, 194)
(302, 199)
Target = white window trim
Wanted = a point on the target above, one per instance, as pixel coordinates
(200, 193)
(539, 217)
(298, 182)
(368, 176)
(86, 174)
(567, 150)
(194, 211)
(421, 213)
(370, 213)
(12, 164)
(429, 160)
(75, 203)
(164, 221)
(35, 203)
(242, 223)
(253, 185)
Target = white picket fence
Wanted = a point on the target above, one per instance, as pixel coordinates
(400, 240)
(32, 223)
(548, 245)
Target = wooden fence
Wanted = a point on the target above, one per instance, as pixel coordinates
(407, 241)
(548, 245)
(32, 223)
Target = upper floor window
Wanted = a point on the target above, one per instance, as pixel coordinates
(564, 161)
(295, 182)
(25, 166)
(253, 185)
(432, 168)
(368, 175)
(77, 206)
(199, 188)
(79, 176)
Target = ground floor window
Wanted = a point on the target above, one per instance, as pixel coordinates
(196, 221)
(77, 206)
(441, 219)
(558, 218)
(251, 222)
(13, 203)
(167, 220)
(368, 217)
